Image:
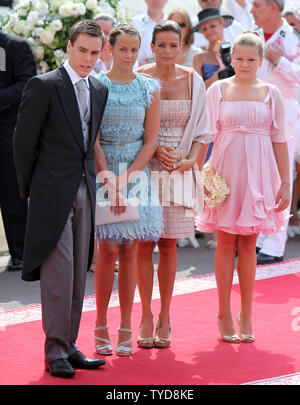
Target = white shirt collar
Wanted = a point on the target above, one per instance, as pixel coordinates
(74, 76)
(147, 19)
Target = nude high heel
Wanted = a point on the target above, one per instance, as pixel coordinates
(145, 342)
(159, 342)
(245, 338)
(228, 338)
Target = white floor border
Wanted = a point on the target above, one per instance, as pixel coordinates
(182, 286)
(289, 379)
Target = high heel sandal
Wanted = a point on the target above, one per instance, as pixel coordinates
(245, 338)
(107, 347)
(122, 348)
(161, 343)
(228, 338)
(145, 343)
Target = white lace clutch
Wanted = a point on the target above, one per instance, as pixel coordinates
(215, 185)
(104, 216)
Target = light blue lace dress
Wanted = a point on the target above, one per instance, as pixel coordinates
(121, 139)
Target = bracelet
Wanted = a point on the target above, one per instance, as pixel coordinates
(286, 183)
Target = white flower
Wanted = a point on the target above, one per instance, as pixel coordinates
(59, 53)
(66, 9)
(42, 7)
(91, 4)
(26, 29)
(47, 37)
(19, 27)
(43, 67)
(121, 13)
(39, 52)
(33, 18)
(22, 12)
(56, 25)
(30, 41)
(36, 32)
(60, 56)
(24, 3)
(81, 9)
(14, 18)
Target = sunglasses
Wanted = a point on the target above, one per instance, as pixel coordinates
(182, 24)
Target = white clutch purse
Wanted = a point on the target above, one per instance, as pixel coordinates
(104, 216)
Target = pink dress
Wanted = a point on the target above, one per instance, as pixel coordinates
(243, 132)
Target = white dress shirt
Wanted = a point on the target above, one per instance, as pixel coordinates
(241, 14)
(144, 24)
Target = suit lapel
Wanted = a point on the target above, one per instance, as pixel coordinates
(69, 102)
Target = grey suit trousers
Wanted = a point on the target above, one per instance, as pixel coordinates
(63, 279)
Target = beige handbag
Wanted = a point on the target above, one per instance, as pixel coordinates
(215, 185)
(185, 189)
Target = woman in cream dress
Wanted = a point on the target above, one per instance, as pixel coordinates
(184, 125)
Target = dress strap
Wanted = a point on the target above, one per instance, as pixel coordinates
(190, 85)
(268, 97)
(222, 90)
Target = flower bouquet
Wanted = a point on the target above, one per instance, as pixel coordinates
(45, 25)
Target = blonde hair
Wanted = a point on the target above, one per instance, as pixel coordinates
(190, 36)
(249, 38)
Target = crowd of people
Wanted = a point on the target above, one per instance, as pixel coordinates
(145, 105)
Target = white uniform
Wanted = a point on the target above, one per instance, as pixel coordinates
(229, 33)
(286, 76)
(241, 14)
(144, 24)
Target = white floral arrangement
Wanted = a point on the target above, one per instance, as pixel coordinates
(45, 25)
(216, 187)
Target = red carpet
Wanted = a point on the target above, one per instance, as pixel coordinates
(197, 356)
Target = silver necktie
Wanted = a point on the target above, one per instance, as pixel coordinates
(81, 87)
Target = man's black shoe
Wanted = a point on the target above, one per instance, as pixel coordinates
(78, 360)
(59, 368)
(262, 258)
(14, 264)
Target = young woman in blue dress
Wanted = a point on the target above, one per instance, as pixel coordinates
(127, 141)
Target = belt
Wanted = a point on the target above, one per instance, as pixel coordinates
(243, 129)
(118, 143)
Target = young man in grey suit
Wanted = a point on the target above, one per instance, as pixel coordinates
(57, 125)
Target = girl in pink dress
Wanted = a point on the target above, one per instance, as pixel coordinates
(250, 154)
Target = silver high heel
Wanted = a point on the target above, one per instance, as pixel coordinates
(105, 349)
(245, 338)
(122, 348)
(228, 338)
